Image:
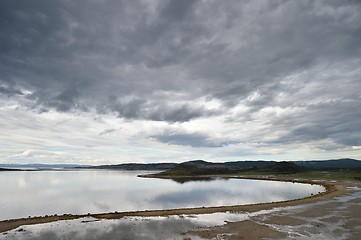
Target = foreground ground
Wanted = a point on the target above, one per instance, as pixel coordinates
(335, 215)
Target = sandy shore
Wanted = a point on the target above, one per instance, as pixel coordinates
(332, 216)
(332, 190)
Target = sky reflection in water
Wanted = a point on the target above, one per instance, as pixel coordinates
(176, 227)
(127, 228)
(150, 228)
(79, 192)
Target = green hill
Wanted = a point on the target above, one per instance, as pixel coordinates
(282, 168)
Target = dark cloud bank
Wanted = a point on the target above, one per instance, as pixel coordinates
(163, 60)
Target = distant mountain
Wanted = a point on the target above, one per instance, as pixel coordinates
(236, 165)
(40, 166)
(198, 163)
(202, 164)
(199, 168)
(249, 164)
(203, 168)
(137, 166)
(8, 169)
(344, 163)
(230, 165)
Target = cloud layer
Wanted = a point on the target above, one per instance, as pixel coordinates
(203, 74)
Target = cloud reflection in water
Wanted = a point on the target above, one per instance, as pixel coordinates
(82, 192)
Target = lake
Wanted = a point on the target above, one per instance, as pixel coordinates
(37, 193)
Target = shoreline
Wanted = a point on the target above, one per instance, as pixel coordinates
(332, 189)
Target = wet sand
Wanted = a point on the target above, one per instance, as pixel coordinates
(334, 216)
(260, 228)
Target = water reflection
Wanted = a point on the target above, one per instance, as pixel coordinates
(198, 179)
(128, 228)
(336, 219)
(171, 227)
(79, 192)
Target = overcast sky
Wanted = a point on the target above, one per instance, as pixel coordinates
(115, 81)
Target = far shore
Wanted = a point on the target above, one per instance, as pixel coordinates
(333, 189)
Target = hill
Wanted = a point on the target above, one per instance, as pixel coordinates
(282, 168)
(336, 164)
(198, 168)
(344, 163)
(137, 166)
(195, 170)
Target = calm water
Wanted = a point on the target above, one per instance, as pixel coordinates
(26, 194)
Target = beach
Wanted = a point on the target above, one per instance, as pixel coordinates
(331, 216)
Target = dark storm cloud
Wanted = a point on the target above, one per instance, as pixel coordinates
(67, 54)
(182, 113)
(138, 108)
(9, 91)
(116, 56)
(336, 121)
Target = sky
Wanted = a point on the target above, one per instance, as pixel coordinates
(107, 82)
